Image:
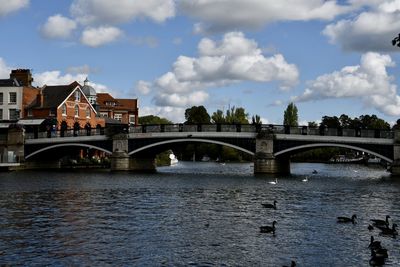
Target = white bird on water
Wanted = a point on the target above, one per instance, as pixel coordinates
(273, 182)
(305, 179)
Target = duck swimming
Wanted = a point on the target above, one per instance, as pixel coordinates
(270, 206)
(390, 231)
(268, 229)
(374, 244)
(347, 219)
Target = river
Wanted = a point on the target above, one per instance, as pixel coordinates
(195, 214)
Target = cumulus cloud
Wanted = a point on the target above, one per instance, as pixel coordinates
(57, 78)
(368, 81)
(85, 69)
(222, 15)
(58, 26)
(95, 37)
(100, 12)
(371, 30)
(4, 69)
(143, 87)
(231, 60)
(9, 6)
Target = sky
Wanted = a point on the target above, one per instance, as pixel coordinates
(328, 57)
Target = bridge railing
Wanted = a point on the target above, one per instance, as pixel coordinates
(248, 128)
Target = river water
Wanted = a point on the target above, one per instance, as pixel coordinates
(195, 214)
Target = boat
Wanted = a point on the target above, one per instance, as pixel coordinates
(173, 159)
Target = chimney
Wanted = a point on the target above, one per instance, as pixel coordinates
(23, 76)
(39, 99)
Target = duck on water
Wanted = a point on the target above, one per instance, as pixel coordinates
(347, 219)
(268, 229)
(270, 206)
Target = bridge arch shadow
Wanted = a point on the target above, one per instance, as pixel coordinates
(293, 150)
(67, 145)
(188, 140)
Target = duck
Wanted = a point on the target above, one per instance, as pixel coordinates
(268, 229)
(373, 244)
(376, 222)
(347, 219)
(292, 264)
(273, 182)
(314, 171)
(381, 252)
(390, 231)
(270, 206)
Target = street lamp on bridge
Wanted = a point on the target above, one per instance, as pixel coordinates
(396, 41)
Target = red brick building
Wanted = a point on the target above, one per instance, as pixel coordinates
(66, 106)
(124, 110)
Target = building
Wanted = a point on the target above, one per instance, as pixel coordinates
(124, 110)
(16, 93)
(64, 107)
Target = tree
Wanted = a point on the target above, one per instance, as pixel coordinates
(330, 122)
(236, 116)
(256, 120)
(197, 114)
(312, 124)
(151, 119)
(373, 122)
(290, 117)
(218, 117)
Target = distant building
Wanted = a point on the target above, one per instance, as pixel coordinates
(124, 110)
(15, 94)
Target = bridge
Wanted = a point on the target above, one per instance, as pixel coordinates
(270, 145)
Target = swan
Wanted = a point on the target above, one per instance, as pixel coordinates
(268, 229)
(347, 219)
(305, 179)
(377, 222)
(270, 206)
(273, 182)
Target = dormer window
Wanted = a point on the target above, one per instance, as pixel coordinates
(77, 96)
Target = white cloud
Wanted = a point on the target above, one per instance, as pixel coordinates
(4, 69)
(368, 81)
(143, 87)
(85, 69)
(58, 26)
(9, 6)
(95, 37)
(56, 78)
(222, 15)
(371, 30)
(95, 12)
(231, 60)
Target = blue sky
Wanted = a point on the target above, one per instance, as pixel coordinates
(329, 57)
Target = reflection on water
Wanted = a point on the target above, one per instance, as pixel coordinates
(199, 214)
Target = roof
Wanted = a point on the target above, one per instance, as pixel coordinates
(54, 95)
(120, 103)
(9, 82)
(30, 121)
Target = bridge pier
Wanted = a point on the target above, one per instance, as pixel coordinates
(395, 168)
(264, 160)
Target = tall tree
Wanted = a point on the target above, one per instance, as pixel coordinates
(256, 120)
(237, 116)
(290, 117)
(197, 114)
(218, 117)
(330, 122)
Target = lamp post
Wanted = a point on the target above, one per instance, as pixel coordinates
(396, 41)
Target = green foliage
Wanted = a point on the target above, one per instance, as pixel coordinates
(218, 117)
(312, 124)
(151, 119)
(363, 122)
(290, 116)
(236, 116)
(197, 114)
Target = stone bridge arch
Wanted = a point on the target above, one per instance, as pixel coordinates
(292, 150)
(67, 145)
(199, 140)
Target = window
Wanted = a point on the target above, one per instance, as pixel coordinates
(132, 119)
(104, 114)
(13, 114)
(1, 114)
(88, 113)
(52, 112)
(76, 111)
(64, 109)
(77, 96)
(1, 98)
(118, 117)
(12, 98)
(30, 113)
